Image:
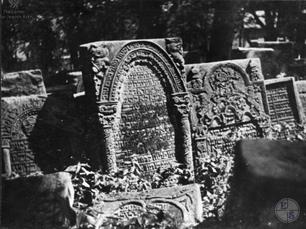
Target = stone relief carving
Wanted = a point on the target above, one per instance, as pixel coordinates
(174, 47)
(100, 62)
(225, 98)
(148, 59)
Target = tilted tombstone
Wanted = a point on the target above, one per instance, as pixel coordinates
(24, 95)
(301, 87)
(38, 132)
(138, 93)
(283, 101)
(228, 102)
(18, 118)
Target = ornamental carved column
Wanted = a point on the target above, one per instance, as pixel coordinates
(107, 116)
(182, 105)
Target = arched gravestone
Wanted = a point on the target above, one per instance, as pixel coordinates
(18, 118)
(138, 91)
(228, 103)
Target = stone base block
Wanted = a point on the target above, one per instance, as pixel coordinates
(181, 203)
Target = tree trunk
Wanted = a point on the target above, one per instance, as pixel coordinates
(223, 30)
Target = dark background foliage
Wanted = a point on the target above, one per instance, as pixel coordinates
(47, 34)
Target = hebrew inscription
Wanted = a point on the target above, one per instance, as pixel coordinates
(282, 101)
(18, 118)
(145, 128)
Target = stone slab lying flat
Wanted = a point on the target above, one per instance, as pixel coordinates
(20, 83)
(183, 203)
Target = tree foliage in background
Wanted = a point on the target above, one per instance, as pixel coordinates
(49, 33)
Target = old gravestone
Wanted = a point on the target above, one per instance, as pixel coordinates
(39, 132)
(183, 203)
(137, 90)
(24, 95)
(283, 101)
(228, 103)
(226, 96)
(301, 87)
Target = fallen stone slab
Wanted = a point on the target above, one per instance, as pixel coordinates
(21, 83)
(181, 203)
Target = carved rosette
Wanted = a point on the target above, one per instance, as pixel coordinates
(99, 64)
(107, 115)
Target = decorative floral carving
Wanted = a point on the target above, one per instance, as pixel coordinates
(196, 79)
(144, 51)
(100, 62)
(174, 47)
(226, 100)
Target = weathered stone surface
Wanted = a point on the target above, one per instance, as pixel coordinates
(265, 172)
(228, 103)
(18, 119)
(182, 203)
(38, 202)
(23, 83)
(138, 88)
(227, 97)
(269, 64)
(283, 101)
(40, 133)
(301, 87)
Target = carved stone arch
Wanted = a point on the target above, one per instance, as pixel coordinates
(109, 66)
(137, 51)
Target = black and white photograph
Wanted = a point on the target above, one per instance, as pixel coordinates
(153, 114)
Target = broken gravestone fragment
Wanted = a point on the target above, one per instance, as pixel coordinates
(180, 205)
(138, 92)
(21, 83)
